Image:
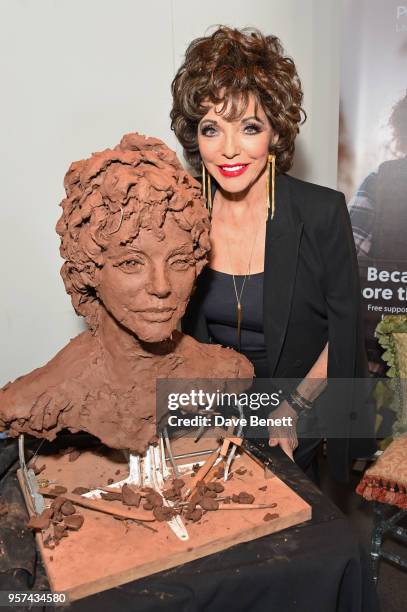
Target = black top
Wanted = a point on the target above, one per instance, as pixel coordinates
(219, 307)
(311, 295)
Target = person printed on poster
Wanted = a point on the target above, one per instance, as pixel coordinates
(378, 215)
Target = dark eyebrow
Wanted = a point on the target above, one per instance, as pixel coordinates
(208, 121)
(246, 119)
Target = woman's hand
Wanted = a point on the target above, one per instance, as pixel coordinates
(284, 435)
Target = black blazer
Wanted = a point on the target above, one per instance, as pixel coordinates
(311, 295)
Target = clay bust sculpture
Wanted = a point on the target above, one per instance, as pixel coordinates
(134, 237)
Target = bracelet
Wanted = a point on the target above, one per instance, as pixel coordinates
(298, 402)
(300, 399)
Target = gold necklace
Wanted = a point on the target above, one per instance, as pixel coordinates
(239, 310)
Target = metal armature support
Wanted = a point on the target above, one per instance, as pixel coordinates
(37, 500)
(151, 470)
(232, 452)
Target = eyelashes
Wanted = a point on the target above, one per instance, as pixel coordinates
(252, 128)
(249, 128)
(207, 130)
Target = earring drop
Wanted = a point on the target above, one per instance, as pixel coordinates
(271, 168)
(207, 188)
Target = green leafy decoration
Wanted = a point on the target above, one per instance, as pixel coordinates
(389, 325)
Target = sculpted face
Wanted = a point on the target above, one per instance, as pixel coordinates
(146, 285)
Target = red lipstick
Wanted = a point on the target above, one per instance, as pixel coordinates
(231, 170)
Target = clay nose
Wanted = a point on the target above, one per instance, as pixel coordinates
(158, 283)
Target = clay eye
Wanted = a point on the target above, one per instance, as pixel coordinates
(130, 265)
(181, 263)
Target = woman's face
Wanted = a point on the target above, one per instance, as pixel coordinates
(146, 286)
(235, 152)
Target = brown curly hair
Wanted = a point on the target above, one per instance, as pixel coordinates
(398, 124)
(135, 185)
(227, 67)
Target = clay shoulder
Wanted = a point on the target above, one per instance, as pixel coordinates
(216, 359)
(68, 363)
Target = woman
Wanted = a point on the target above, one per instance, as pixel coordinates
(282, 283)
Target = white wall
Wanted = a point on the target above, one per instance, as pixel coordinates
(77, 74)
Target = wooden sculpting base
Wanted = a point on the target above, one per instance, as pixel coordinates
(106, 552)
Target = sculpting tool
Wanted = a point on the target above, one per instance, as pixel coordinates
(203, 471)
(245, 506)
(101, 506)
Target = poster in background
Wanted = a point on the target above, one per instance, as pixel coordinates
(372, 157)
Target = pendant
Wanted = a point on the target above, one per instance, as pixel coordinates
(239, 320)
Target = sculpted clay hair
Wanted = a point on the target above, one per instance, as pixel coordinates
(225, 68)
(134, 185)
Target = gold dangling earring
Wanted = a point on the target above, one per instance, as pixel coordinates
(203, 180)
(207, 188)
(271, 161)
